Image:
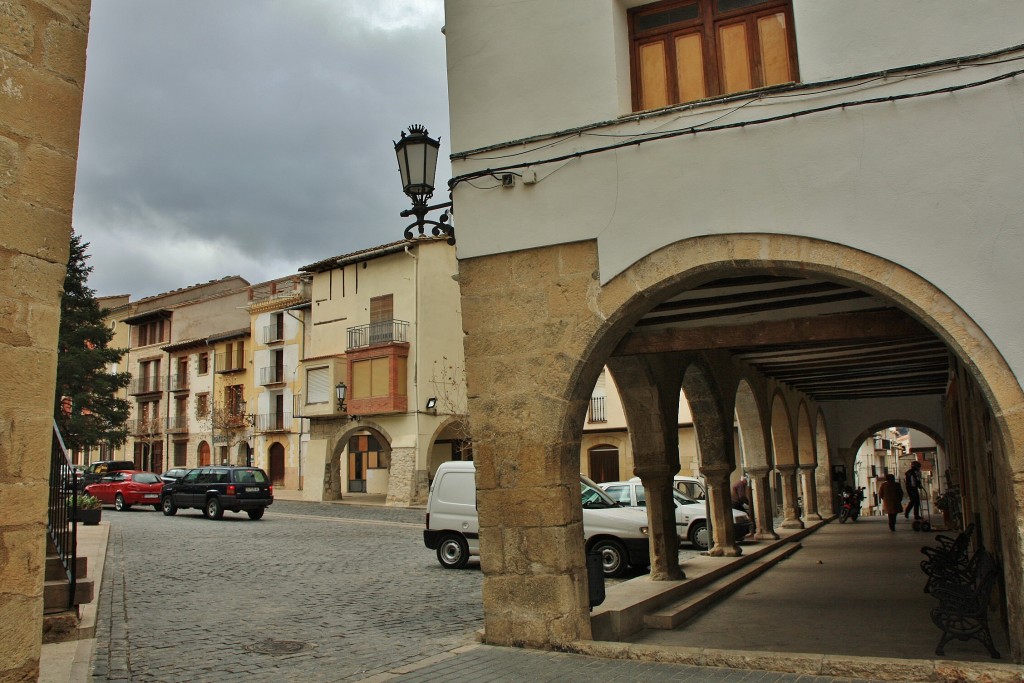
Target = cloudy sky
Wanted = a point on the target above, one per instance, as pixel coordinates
(249, 137)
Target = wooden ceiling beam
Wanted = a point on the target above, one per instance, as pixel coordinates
(879, 325)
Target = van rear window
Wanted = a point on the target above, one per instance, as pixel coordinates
(458, 488)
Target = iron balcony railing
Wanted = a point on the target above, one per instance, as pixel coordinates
(144, 427)
(597, 413)
(384, 332)
(147, 385)
(272, 422)
(230, 362)
(178, 383)
(63, 510)
(272, 333)
(177, 424)
(272, 374)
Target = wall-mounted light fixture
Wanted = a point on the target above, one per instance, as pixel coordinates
(417, 162)
(341, 391)
(431, 403)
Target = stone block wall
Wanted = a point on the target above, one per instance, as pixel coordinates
(42, 72)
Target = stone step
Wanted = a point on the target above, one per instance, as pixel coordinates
(55, 570)
(61, 626)
(682, 611)
(55, 593)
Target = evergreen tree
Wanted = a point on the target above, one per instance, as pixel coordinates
(86, 407)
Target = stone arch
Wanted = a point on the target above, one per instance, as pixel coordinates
(826, 486)
(334, 474)
(451, 426)
(750, 419)
(896, 422)
(558, 355)
(711, 422)
(806, 453)
(783, 443)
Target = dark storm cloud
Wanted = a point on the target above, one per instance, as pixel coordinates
(248, 137)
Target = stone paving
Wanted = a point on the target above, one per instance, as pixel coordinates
(313, 592)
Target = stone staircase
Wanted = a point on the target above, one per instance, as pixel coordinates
(59, 622)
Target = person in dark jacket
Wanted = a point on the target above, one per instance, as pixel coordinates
(891, 494)
(913, 484)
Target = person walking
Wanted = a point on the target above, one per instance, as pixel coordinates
(741, 499)
(891, 494)
(913, 482)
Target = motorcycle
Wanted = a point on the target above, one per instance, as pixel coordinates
(849, 504)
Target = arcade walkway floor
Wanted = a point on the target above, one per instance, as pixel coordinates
(853, 589)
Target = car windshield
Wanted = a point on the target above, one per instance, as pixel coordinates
(681, 499)
(146, 478)
(594, 497)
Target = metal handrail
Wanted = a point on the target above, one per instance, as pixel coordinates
(384, 332)
(63, 510)
(597, 413)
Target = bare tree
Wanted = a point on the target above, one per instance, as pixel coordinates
(448, 380)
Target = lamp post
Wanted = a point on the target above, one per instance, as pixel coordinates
(340, 391)
(417, 163)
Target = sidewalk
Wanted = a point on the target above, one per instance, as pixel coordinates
(71, 661)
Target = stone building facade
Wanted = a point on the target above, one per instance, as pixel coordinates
(42, 72)
(722, 201)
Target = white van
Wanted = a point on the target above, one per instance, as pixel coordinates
(618, 534)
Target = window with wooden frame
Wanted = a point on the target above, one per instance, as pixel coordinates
(686, 50)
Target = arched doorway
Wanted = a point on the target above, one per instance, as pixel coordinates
(276, 457)
(527, 432)
(203, 454)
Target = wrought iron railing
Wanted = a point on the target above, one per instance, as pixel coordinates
(63, 510)
(143, 427)
(147, 385)
(273, 333)
(272, 374)
(177, 424)
(384, 332)
(597, 413)
(231, 362)
(179, 382)
(272, 422)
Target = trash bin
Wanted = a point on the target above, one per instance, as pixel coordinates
(595, 579)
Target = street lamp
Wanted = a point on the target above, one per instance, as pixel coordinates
(417, 162)
(340, 392)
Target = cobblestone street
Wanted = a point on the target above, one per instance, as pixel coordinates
(313, 592)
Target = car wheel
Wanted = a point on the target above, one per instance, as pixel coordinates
(213, 509)
(699, 535)
(168, 506)
(119, 503)
(613, 557)
(256, 514)
(452, 551)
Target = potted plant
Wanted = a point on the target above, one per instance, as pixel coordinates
(88, 511)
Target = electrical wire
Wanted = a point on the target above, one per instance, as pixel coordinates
(693, 130)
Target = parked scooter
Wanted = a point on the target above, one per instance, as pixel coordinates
(849, 503)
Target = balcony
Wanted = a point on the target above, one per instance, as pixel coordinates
(147, 385)
(597, 412)
(177, 424)
(273, 333)
(384, 332)
(274, 374)
(145, 427)
(179, 383)
(230, 362)
(272, 422)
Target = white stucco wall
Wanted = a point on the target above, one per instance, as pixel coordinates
(931, 183)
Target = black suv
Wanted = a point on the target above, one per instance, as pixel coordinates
(215, 489)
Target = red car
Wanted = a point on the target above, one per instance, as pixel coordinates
(126, 488)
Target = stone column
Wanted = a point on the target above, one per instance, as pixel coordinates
(764, 515)
(401, 481)
(791, 516)
(720, 509)
(811, 513)
(661, 517)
